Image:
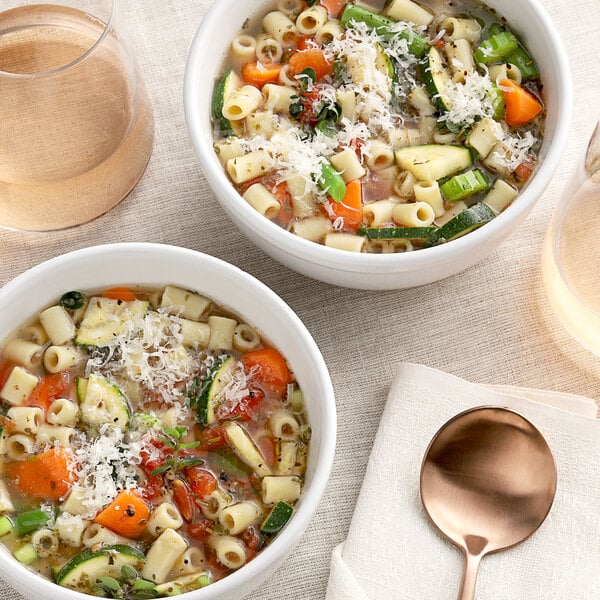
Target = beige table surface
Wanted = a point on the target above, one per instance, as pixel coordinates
(489, 324)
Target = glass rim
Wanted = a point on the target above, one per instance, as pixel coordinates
(79, 59)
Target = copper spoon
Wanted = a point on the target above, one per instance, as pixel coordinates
(488, 481)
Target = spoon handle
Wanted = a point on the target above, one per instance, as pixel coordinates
(467, 588)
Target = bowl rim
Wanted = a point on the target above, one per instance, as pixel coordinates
(14, 572)
(319, 255)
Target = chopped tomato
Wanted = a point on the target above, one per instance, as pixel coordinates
(200, 529)
(5, 371)
(525, 169)
(306, 42)
(266, 445)
(334, 7)
(153, 487)
(246, 408)
(252, 538)
(183, 499)
(268, 368)
(213, 438)
(155, 455)
(51, 387)
(283, 196)
(310, 107)
(357, 144)
(202, 482)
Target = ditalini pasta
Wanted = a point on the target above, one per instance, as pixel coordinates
(325, 112)
(150, 443)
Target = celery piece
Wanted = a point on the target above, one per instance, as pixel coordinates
(524, 62)
(496, 48)
(25, 554)
(6, 526)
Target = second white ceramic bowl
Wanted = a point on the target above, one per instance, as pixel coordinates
(375, 271)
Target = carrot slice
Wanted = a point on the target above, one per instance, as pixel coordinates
(521, 105)
(120, 293)
(257, 73)
(310, 59)
(126, 515)
(49, 475)
(268, 367)
(350, 208)
(334, 7)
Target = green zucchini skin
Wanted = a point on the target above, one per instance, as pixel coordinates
(223, 87)
(466, 221)
(277, 518)
(395, 233)
(436, 80)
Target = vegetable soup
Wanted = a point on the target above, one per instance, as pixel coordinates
(378, 128)
(152, 443)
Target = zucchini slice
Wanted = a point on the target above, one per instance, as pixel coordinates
(224, 86)
(105, 319)
(104, 402)
(214, 382)
(469, 219)
(465, 185)
(84, 569)
(394, 233)
(436, 79)
(277, 518)
(433, 161)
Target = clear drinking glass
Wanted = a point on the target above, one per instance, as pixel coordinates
(76, 126)
(571, 255)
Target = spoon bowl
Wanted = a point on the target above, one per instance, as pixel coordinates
(488, 480)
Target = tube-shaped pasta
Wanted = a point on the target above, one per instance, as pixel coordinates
(268, 50)
(419, 98)
(278, 97)
(260, 123)
(404, 184)
(283, 424)
(6, 504)
(245, 448)
(214, 503)
(286, 460)
(228, 149)
(74, 504)
(406, 10)
(36, 333)
(237, 517)
(429, 192)
(245, 338)
(328, 32)
(243, 47)
(251, 165)
(285, 78)
(261, 200)
(28, 354)
(164, 516)
(290, 7)
(283, 488)
(18, 386)
(348, 164)
(460, 59)
(61, 358)
(414, 214)
(441, 137)
(229, 550)
(345, 241)
(347, 101)
(19, 446)
(221, 332)
(45, 542)
(58, 325)
(191, 561)
(380, 155)
(309, 21)
(183, 302)
(70, 529)
(194, 334)
(484, 136)
(26, 419)
(500, 196)
(303, 200)
(457, 29)
(312, 228)
(379, 212)
(161, 557)
(242, 102)
(281, 27)
(55, 435)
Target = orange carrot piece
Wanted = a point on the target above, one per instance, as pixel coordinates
(119, 293)
(313, 59)
(521, 106)
(49, 475)
(334, 7)
(268, 368)
(51, 387)
(306, 43)
(257, 73)
(350, 208)
(126, 515)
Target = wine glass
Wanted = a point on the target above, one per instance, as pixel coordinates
(571, 254)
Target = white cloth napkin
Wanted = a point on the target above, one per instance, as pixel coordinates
(392, 552)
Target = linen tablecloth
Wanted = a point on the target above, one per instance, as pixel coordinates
(489, 324)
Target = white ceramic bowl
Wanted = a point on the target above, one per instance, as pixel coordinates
(375, 271)
(155, 265)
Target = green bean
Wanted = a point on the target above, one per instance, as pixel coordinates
(332, 182)
(417, 44)
(30, 521)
